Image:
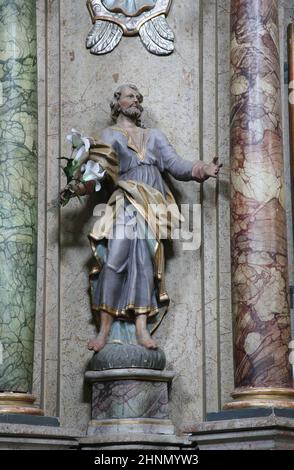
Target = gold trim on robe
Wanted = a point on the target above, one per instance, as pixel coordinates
(146, 200)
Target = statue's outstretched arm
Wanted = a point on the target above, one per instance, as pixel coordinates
(181, 169)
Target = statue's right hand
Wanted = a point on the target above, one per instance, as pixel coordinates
(63, 196)
(67, 193)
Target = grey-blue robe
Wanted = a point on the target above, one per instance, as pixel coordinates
(128, 283)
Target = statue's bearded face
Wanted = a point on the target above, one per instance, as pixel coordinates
(129, 103)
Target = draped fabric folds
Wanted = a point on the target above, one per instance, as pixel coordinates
(127, 240)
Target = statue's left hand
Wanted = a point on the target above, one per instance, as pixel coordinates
(212, 169)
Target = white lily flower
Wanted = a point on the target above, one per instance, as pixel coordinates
(74, 134)
(97, 186)
(79, 143)
(87, 143)
(77, 140)
(80, 153)
(93, 171)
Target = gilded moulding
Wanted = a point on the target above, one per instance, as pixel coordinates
(146, 18)
(19, 403)
(128, 421)
(261, 397)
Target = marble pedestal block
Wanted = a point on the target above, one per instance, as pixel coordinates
(130, 400)
(246, 429)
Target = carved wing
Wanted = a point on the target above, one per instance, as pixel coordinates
(157, 36)
(103, 37)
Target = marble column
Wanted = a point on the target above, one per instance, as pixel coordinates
(18, 203)
(263, 374)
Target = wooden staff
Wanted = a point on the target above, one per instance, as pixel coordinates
(291, 103)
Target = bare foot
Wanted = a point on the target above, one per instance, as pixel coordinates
(143, 335)
(144, 339)
(98, 343)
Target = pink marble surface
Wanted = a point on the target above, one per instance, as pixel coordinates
(258, 229)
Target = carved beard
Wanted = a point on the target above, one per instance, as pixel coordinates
(134, 112)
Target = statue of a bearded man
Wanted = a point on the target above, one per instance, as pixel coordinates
(128, 281)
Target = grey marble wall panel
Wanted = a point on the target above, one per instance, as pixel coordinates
(225, 358)
(47, 349)
(171, 101)
(210, 261)
(216, 309)
(186, 95)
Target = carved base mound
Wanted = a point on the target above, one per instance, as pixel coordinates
(123, 356)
